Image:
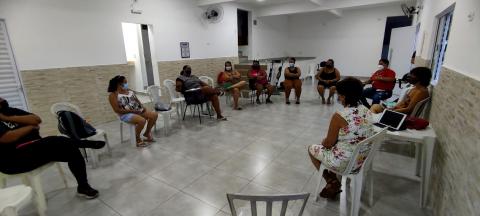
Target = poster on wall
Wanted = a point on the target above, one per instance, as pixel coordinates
(185, 49)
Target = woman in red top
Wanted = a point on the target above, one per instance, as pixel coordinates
(383, 82)
(261, 81)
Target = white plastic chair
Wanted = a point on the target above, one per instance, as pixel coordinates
(361, 162)
(208, 80)
(175, 99)
(154, 92)
(269, 200)
(32, 179)
(64, 106)
(14, 198)
(131, 128)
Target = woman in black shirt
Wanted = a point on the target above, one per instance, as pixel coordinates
(22, 149)
(327, 77)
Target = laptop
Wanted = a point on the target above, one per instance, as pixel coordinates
(391, 119)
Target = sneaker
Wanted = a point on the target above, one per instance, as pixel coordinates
(268, 101)
(258, 101)
(91, 144)
(87, 192)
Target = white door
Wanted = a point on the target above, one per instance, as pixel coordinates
(10, 83)
(402, 46)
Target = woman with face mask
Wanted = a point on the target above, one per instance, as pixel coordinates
(292, 80)
(420, 79)
(327, 77)
(229, 80)
(130, 110)
(259, 81)
(383, 82)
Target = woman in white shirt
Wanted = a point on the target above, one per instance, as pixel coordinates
(130, 109)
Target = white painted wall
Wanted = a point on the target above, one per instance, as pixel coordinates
(270, 37)
(463, 43)
(132, 45)
(67, 33)
(354, 41)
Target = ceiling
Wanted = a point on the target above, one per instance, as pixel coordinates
(286, 7)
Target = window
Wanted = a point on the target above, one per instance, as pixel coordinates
(441, 42)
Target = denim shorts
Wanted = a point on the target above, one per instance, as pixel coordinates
(126, 117)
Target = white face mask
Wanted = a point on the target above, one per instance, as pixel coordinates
(228, 68)
(292, 65)
(380, 67)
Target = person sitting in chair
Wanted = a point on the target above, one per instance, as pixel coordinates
(22, 149)
(327, 77)
(125, 103)
(292, 80)
(261, 81)
(420, 78)
(383, 82)
(195, 90)
(348, 127)
(230, 81)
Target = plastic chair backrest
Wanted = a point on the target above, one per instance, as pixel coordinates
(65, 106)
(363, 154)
(208, 80)
(154, 92)
(269, 199)
(420, 108)
(170, 85)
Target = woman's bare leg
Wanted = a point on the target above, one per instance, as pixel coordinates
(321, 91)
(331, 93)
(314, 160)
(139, 123)
(236, 95)
(151, 120)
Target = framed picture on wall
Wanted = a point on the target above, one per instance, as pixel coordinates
(185, 49)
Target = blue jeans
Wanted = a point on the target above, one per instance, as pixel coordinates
(375, 95)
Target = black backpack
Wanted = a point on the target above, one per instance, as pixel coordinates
(74, 126)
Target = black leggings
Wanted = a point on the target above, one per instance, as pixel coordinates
(46, 150)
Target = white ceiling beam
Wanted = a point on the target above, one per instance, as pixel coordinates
(336, 12)
(210, 2)
(310, 6)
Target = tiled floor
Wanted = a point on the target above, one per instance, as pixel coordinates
(261, 150)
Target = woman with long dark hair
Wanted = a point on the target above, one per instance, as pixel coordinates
(130, 110)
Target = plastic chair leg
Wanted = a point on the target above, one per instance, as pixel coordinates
(121, 131)
(356, 194)
(418, 153)
(166, 122)
(320, 180)
(62, 174)
(40, 200)
(109, 149)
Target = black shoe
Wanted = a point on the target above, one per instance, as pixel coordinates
(298, 102)
(258, 101)
(87, 192)
(91, 144)
(288, 102)
(268, 101)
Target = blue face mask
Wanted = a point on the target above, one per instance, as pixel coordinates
(125, 85)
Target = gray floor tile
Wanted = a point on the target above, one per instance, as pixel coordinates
(184, 205)
(182, 173)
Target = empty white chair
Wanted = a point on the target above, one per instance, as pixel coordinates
(154, 92)
(312, 71)
(175, 98)
(269, 200)
(14, 198)
(208, 80)
(359, 163)
(64, 106)
(32, 179)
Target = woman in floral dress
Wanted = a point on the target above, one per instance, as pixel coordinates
(348, 127)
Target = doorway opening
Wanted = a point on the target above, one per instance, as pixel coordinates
(441, 42)
(244, 30)
(140, 51)
(391, 23)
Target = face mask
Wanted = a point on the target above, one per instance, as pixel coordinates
(329, 66)
(125, 86)
(228, 68)
(3, 106)
(380, 67)
(292, 65)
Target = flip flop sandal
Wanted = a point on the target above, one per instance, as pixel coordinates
(331, 190)
(142, 144)
(148, 139)
(238, 108)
